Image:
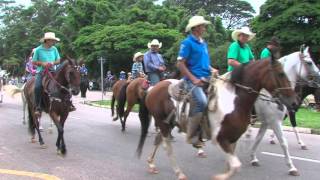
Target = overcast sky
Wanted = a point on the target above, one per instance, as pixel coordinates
(255, 3)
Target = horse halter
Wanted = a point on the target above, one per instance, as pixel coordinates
(311, 75)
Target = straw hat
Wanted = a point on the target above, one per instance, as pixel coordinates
(244, 30)
(136, 55)
(196, 21)
(154, 42)
(49, 35)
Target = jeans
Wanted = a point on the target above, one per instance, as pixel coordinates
(198, 97)
(38, 89)
(154, 77)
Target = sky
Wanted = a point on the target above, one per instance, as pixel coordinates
(255, 3)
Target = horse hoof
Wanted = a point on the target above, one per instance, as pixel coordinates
(43, 146)
(33, 141)
(153, 170)
(294, 173)
(272, 142)
(115, 118)
(182, 177)
(304, 147)
(219, 177)
(255, 163)
(202, 155)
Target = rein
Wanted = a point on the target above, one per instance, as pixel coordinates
(46, 71)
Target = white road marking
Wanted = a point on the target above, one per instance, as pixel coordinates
(73, 117)
(293, 157)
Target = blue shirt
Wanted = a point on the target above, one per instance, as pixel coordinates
(152, 61)
(45, 55)
(136, 69)
(196, 55)
(83, 70)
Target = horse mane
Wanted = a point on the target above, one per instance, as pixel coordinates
(237, 74)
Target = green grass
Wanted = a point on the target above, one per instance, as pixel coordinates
(306, 117)
(107, 103)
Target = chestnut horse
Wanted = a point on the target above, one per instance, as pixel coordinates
(229, 108)
(64, 83)
(117, 89)
(135, 92)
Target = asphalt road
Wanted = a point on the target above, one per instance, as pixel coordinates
(97, 149)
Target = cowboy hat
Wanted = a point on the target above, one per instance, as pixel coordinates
(154, 42)
(274, 41)
(136, 55)
(49, 35)
(196, 21)
(243, 30)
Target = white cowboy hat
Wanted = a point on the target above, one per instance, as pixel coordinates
(196, 21)
(154, 42)
(244, 30)
(136, 55)
(49, 35)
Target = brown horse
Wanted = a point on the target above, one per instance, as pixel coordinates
(64, 83)
(117, 89)
(229, 108)
(135, 92)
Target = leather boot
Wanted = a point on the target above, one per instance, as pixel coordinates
(205, 128)
(193, 130)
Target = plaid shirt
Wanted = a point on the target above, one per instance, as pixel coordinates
(136, 69)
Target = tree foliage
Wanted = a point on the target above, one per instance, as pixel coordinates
(294, 22)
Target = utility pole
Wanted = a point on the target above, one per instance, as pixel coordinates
(101, 60)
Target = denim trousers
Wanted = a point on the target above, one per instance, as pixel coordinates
(198, 97)
(38, 89)
(154, 78)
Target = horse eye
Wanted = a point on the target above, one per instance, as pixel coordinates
(282, 74)
(309, 63)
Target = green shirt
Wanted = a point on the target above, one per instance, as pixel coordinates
(45, 55)
(242, 55)
(265, 53)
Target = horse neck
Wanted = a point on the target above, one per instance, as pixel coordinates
(60, 75)
(291, 66)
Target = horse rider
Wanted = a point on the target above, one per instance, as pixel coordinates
(83, 70)
(272, 46)
(30, 67)
(153, 62)
(239, 51)
(109, 79)
(137, 66)
(122, 75)
(194, 64)
(45, 55)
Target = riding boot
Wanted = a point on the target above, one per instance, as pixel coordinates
(205, 128)
(193, 131)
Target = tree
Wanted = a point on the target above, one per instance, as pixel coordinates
(294, 22)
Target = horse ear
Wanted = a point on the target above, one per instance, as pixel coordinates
(302, 47)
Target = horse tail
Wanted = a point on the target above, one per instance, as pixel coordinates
(122, 100)
(12, 90)
(145, 122)
(113, 99)
(30, 121)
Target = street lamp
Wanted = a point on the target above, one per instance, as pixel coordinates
(101, 60)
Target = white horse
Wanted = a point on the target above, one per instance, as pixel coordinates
(12, 90)
(3, 74)
(297, 66)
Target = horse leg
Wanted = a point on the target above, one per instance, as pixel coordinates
(277, 128)
(292, 117)
(126, 114)
(168, 147)
(233, 161)
(152, 166)
(263, 128)
(37, 124)
(50, 129)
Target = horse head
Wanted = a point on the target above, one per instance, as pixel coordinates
(310, 72)
(71, 75)
(278, 84)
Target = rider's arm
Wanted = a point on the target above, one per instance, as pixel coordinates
(185, 71)
(233, 53)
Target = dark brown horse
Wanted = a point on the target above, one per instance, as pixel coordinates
(117, 89)
(84, 85)
(64, 83)
(229, 108)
